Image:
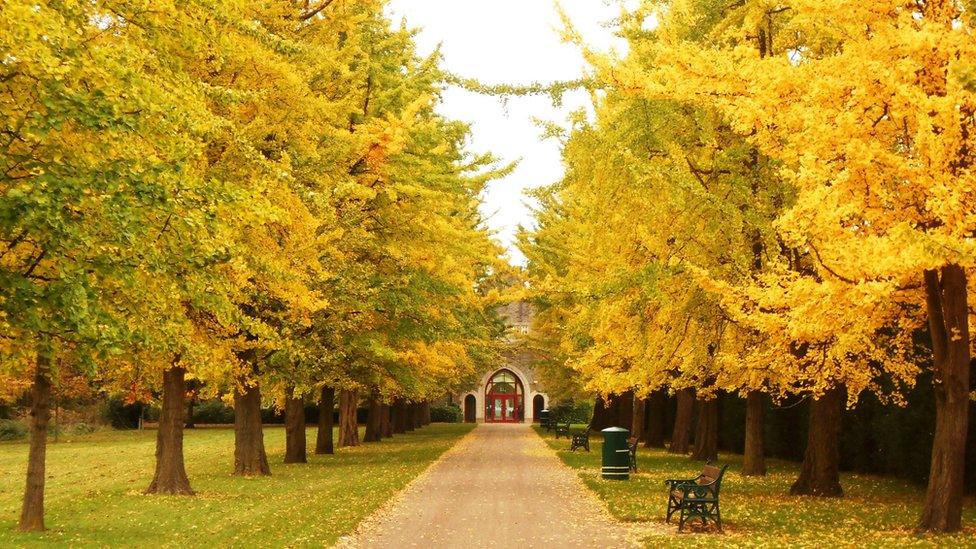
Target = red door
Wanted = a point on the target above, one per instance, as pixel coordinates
(502, 408)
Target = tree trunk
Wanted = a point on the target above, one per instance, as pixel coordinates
(170, 477)
(820, 475)
(637, 419)
(425, 412)
(947, 305)
(656, 410)
(754, 461)
(625, 409)
(386, 423)
(250, 458)
(706, 431)
(323, 440)
(602, 414)
(408, 416)
(399, 417)
(294, 428)
(420, 415)
(374, 431)
(32, 512)
(681, 436)
(348, 426)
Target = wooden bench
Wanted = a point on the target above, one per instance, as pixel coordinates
(580, 440)
(632, 446)
(696, 497)
(562, 430)
(549, 423)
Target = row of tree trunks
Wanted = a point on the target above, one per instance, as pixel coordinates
(386, 422)
(681, 436)
(425, 412)
(32, 512)
(409, 416)
(420, 415)
(295, 451)
(613, 411)
(323, 440)
(170, 476)
(656, 405)
(250, 458)
(399, 417)
(374, 420)
(706, 431)
(754, 460)
(819, 475)
(348, 426)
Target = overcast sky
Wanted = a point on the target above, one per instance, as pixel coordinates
(509, 41)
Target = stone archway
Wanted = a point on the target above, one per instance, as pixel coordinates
(538, 404)
(470, 409)
(504, 397)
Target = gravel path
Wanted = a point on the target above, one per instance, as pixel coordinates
(500, 486)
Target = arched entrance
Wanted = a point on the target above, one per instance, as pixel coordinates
(538, 405)
(504, 398)
(470, 408)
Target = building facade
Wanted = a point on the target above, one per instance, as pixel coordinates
(509, 393)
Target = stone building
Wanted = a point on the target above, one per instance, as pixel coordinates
(509, 393)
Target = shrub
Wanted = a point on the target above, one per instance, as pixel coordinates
(12, 429)
(121, 415)
(572, 411)
(446, 413)
(213, 411)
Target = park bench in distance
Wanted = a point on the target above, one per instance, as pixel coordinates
(696, 497)
(562, 430)
(632, 446)
(581, 439)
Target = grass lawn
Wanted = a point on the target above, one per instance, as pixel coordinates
(94, 487)
(758, 511)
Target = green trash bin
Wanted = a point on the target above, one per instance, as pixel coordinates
(616, 454)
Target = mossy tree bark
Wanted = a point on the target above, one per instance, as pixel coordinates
(681, 437)
(754, 460)
(947, 305)
(706, 431)
(323, 440)
(295, 442)
(32, 511)
(348, 426)
(170, 476)
(820, 473)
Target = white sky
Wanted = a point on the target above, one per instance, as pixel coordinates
(514, 42)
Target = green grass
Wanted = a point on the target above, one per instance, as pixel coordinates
(759, 512)
(94, 486)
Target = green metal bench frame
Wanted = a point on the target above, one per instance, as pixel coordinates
(581, 439)
(632, 446)
(696, 497)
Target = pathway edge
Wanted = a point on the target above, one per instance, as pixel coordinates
(377, 516)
